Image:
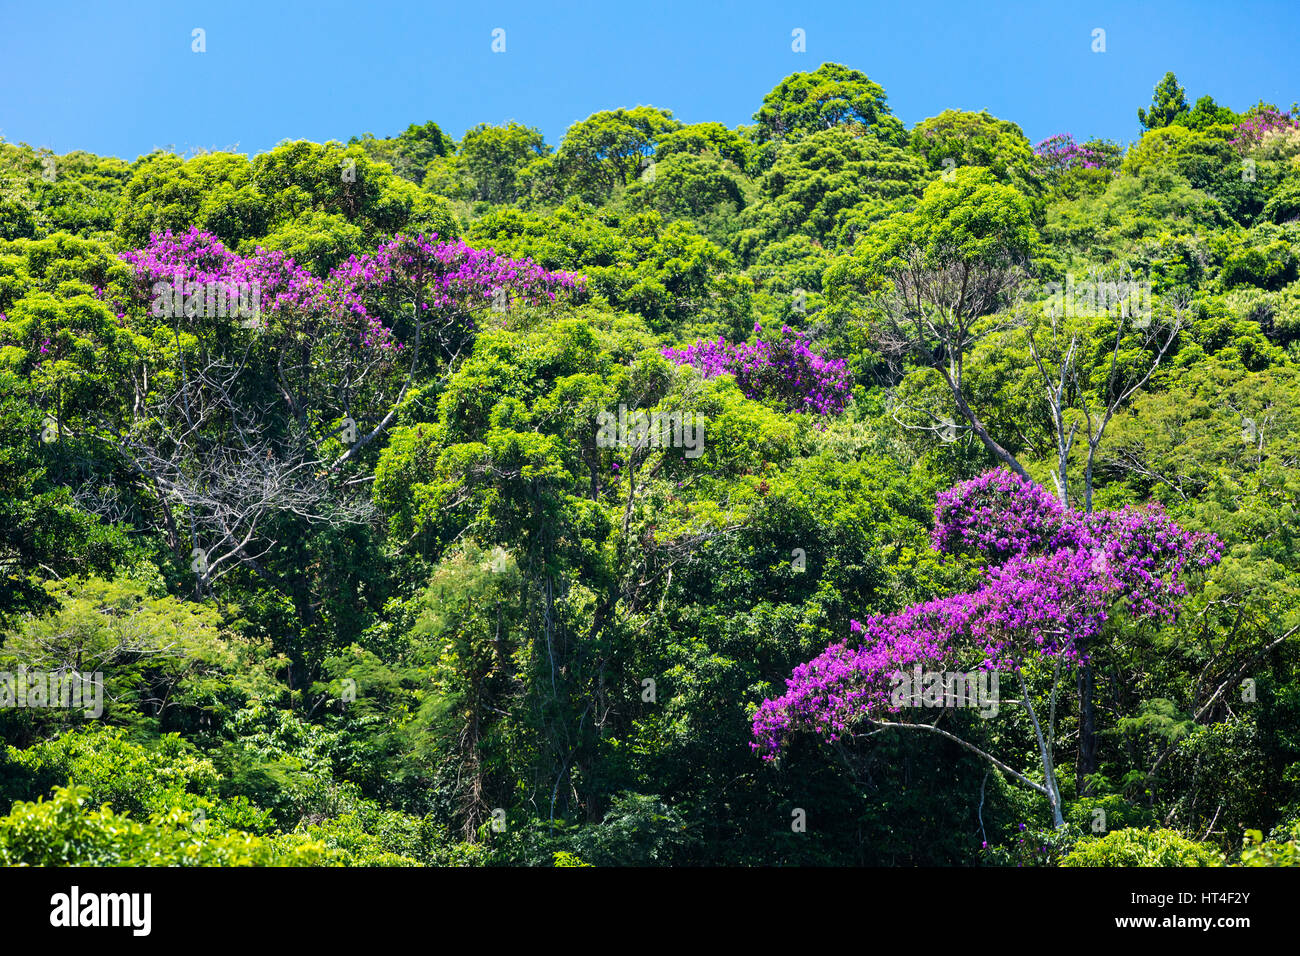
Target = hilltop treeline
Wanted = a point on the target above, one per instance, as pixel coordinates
(367, 584)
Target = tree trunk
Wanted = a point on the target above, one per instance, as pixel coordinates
(1087, 761)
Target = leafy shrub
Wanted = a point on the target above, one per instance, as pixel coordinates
(111, 769)
(1136, 847)
(563, 858)
(66, 831)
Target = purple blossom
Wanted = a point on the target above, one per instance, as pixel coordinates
(1251, 131)
(448, 276)
(1054, 578)
(786, 370)
(1060, 153)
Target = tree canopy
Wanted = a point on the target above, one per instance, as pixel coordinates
(647, 497)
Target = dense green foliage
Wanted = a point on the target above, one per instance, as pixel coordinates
(494, 640)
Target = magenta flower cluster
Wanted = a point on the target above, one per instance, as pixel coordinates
(449, 275)
(1251, 131)
(285, 289)
(998, 515)
(1055, 578)
(1060, 153)
(435, 275)
(785, 370)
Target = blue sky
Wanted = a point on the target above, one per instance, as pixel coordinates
(120, 78)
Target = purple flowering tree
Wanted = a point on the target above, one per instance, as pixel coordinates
(1051, 579)
(256, 381)
(1060, 154)
(1258, 123)
(433, 293)
(784, 370)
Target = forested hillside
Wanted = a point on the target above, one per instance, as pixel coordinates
(415, 501)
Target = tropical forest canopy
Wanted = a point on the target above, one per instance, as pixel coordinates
(487, 501)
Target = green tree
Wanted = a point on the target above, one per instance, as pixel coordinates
(1206, 114)
(1168, 103)
(830, 96)
(411, 152)
(958, 138)
(830, 185)
(666, 272)
(701, 138)
(494, 155)
(607, 149)
(1134, 847)
(942, 270)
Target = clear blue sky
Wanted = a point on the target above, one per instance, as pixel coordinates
(120, 78)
